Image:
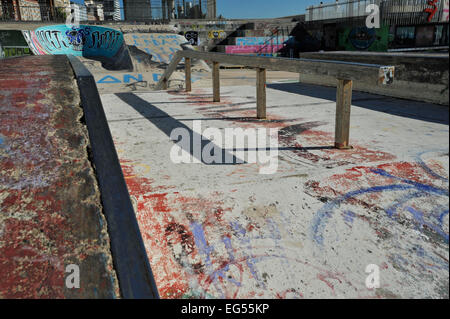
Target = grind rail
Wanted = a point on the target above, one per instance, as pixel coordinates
(344, 72)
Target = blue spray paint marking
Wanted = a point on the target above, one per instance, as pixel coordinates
(419, 186)
(349, 216)
(321, 218)
(418, 216)
(324, 214)
(427, 169)
(156, 77)
(246, 240)
(109, 79)
(400, 202)
(200, 242)
(227, 242)
(442, 216)
(127, 78)
(206, 250)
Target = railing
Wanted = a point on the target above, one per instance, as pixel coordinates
(339, 10)
(344, 72)
(275, 34)
(392, 12)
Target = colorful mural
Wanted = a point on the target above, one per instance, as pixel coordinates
(161, 46)
(253, 49)
(261, 40)
(12, 43)
(192, 37)
(88, 41)
(217, 34)
(364, 39)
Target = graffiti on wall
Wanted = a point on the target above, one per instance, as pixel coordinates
(431, 9)
(253, 49)
(261, 40)
(363, 38)
(217, 34)
(212, 25)
(161, 46)
(89, 41)
(128, 78)
(192, 37)
(12, 43)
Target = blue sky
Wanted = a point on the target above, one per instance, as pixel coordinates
(254, 9)
(238, 9)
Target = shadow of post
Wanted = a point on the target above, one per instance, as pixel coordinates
(166, 124)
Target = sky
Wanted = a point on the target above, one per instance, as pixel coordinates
(255, 9)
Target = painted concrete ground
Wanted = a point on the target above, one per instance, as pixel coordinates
(50, 209)
(310, 229)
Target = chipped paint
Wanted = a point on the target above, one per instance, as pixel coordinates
(50, 210)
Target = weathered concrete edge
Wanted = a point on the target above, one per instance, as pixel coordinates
(128, 251)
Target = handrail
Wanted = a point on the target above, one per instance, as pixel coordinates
(344, 72)
(372, 73)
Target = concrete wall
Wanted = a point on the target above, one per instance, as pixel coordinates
(420, 77)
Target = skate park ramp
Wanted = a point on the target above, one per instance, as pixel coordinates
(150, 53)
(97, 43)
(119, 62)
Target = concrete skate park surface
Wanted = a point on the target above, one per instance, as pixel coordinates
(307, 231)
(222, 231)
(50, 209)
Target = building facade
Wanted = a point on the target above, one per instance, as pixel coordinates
(99, 10)
(404, 24)
(137, 10)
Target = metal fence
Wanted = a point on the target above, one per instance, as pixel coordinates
(392, 12)
(410, 12)
(339, 10)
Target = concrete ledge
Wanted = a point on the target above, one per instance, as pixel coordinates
(129, 256)
(51, 215)
(419, 77)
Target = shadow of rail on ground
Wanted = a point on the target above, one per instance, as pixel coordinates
(411, 109)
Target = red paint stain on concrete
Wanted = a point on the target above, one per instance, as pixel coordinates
(45, 177)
